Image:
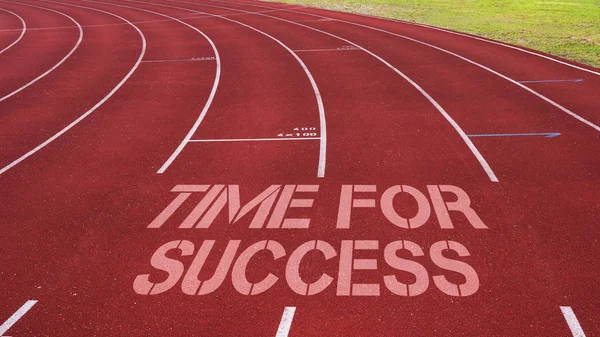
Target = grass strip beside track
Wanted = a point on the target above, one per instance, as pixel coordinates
(568, 28)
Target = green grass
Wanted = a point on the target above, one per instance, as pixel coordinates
(568, 28)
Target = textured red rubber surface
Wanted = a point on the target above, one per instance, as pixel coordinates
(192, 169)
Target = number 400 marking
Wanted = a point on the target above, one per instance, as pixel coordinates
(300, 132)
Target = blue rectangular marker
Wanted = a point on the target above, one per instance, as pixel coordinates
(552, 81)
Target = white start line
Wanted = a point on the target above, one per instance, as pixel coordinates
(16, 316)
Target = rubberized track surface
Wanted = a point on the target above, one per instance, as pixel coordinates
(173, 168)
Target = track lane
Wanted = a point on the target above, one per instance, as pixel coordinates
(6, 28)
(206, 107)
(42, 117)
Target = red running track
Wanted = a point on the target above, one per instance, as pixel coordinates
(246, 168)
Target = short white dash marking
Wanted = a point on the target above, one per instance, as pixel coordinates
(572, 321)
(250, 139)
(286, 322)
(17, 316)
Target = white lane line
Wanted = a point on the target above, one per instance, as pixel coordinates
(320, 106)
(57, 64)
(572, 321)
(249, 139)
(286, 322)
(486, 167)
(89, 112)
(16, 316)
(211, 96)
(567, 111)
(182, 60)
(23, 29)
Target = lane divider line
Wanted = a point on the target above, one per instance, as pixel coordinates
(572, 321)
(249, 139)
(544, 134)
(486, 167)
(16, 316)
(317, 93)
(89, 112)
(579, 80)
(286, 322)
(59, 62)
(548, 100)
(23, 30)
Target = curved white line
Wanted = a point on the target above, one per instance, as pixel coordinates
(56, 65)
(486, 167)
(189, 135)
(322, 123)
(23, 30)
(435, 28)
(87, 113)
